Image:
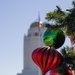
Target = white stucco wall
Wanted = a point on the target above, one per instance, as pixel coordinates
(31, 42)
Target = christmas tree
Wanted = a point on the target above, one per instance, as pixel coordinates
(59, 25)
(64, 21)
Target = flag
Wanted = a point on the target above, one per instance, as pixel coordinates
(39, 22)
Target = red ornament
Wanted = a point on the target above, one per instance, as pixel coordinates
(69, 72)
(46, 58)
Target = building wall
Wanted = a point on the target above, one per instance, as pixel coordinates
(32, 41)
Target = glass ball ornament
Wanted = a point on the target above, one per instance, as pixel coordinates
(54, 38)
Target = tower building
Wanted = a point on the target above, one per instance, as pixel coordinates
(32, 41)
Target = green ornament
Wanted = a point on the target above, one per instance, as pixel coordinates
(54, 38)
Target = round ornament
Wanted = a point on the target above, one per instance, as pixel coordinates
(54, 38)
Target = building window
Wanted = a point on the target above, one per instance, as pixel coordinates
(36, 34)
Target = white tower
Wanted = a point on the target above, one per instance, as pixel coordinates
(32, 41)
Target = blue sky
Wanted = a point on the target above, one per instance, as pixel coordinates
(15, 19)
